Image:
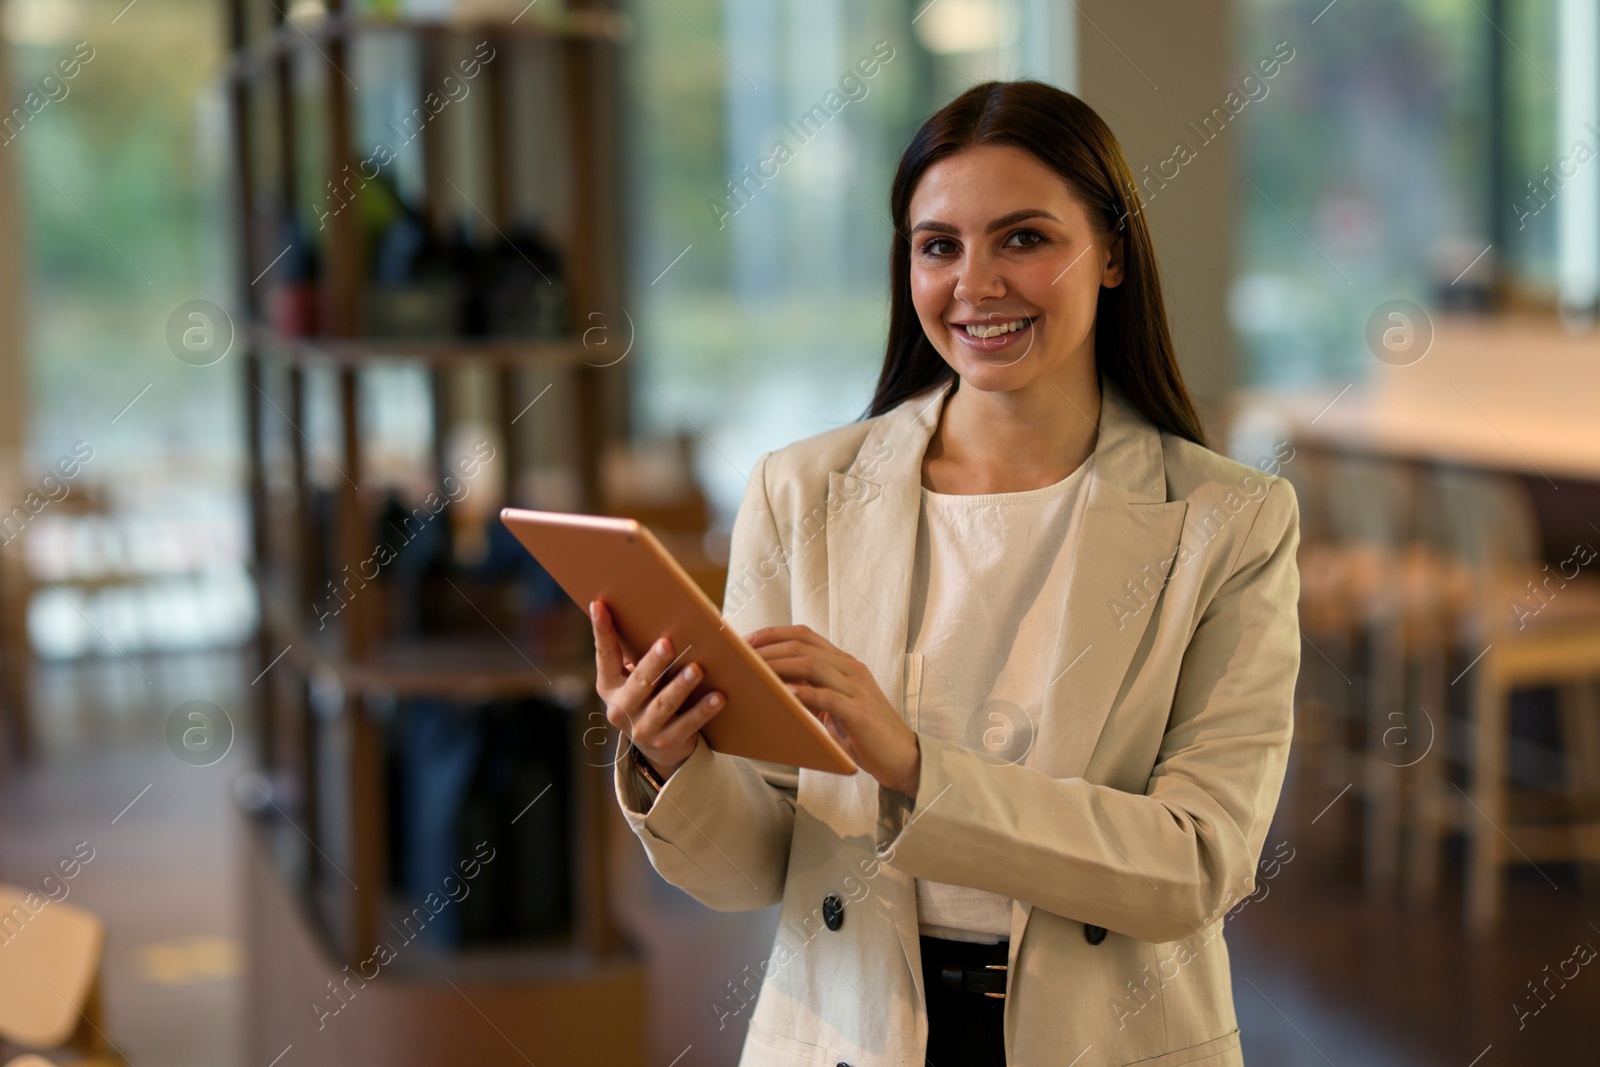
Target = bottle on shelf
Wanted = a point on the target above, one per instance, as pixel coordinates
(416, 287)
(292, 301)
(519, 288)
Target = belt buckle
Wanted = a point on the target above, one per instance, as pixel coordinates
(995, 967)
(962, 977)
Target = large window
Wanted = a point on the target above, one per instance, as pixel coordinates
(1365, 176)
(1417, 150)
(759, 214)
(120, 157)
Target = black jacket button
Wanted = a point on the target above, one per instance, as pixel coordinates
(832, 911)
(1094, 934)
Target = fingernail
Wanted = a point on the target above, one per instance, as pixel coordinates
(661, 645)
(715, 700)
(594, 609)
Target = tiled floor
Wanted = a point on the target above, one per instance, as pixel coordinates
(1321, 974)
(163, 863)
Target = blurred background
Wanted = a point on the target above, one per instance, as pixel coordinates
(294, 294)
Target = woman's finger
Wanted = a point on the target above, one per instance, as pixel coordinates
(838, 733)
(607, 649)
(834, 723)
(819, 649)
(769, 634)
(651, 669)
(685, 725)
(790, 650)
(803, 634)
(821, 699)
(784, 647)
(619, 681)
(664, 705)
(809, 669)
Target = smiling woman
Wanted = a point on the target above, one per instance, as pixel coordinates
(1050, 794)
(1076, 231)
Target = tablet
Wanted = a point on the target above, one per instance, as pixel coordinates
(620, 561)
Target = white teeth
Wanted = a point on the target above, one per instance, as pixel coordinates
(997, 329)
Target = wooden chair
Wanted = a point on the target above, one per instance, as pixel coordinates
(50, 979)
(1324, 698)
(16, 657)
(1486, 530)
(1336, 576)
(1365, 596)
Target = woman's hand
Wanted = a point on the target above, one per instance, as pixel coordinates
(840, 690)
(663, 737)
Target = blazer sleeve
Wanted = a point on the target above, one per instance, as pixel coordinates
(721, 826)
(1160, 865)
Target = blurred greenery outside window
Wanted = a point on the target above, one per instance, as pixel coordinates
(763, 313)
(1371, 166)
(123, 193)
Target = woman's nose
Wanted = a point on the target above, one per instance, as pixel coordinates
(978, 281)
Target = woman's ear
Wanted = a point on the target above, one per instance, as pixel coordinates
(1113, 271)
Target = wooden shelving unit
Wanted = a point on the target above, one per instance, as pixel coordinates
(324, 688)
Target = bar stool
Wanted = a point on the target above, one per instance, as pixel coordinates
(1382, 571)
(50, 979)
(1328, 624)
(1485, 528)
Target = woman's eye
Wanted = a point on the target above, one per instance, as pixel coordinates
(1031, 239)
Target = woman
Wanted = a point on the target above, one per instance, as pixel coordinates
(1056, 632)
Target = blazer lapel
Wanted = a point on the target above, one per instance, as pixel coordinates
(872, 538)
(1127, 542)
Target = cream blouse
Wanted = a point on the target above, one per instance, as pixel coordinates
(988, 596)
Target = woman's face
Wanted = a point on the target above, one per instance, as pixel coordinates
(999, 240)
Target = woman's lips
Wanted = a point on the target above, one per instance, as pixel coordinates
(994, 344)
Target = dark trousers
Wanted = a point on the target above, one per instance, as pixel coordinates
(964, 1029)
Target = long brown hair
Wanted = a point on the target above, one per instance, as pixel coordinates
(1132, 341)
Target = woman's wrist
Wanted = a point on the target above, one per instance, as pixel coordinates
(909, 778)
(654, 772)
(648, 771)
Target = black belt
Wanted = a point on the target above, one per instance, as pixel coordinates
(965, 966)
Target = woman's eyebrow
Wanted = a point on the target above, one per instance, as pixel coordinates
(998, 224)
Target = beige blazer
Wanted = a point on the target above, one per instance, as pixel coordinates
(1140, 807)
